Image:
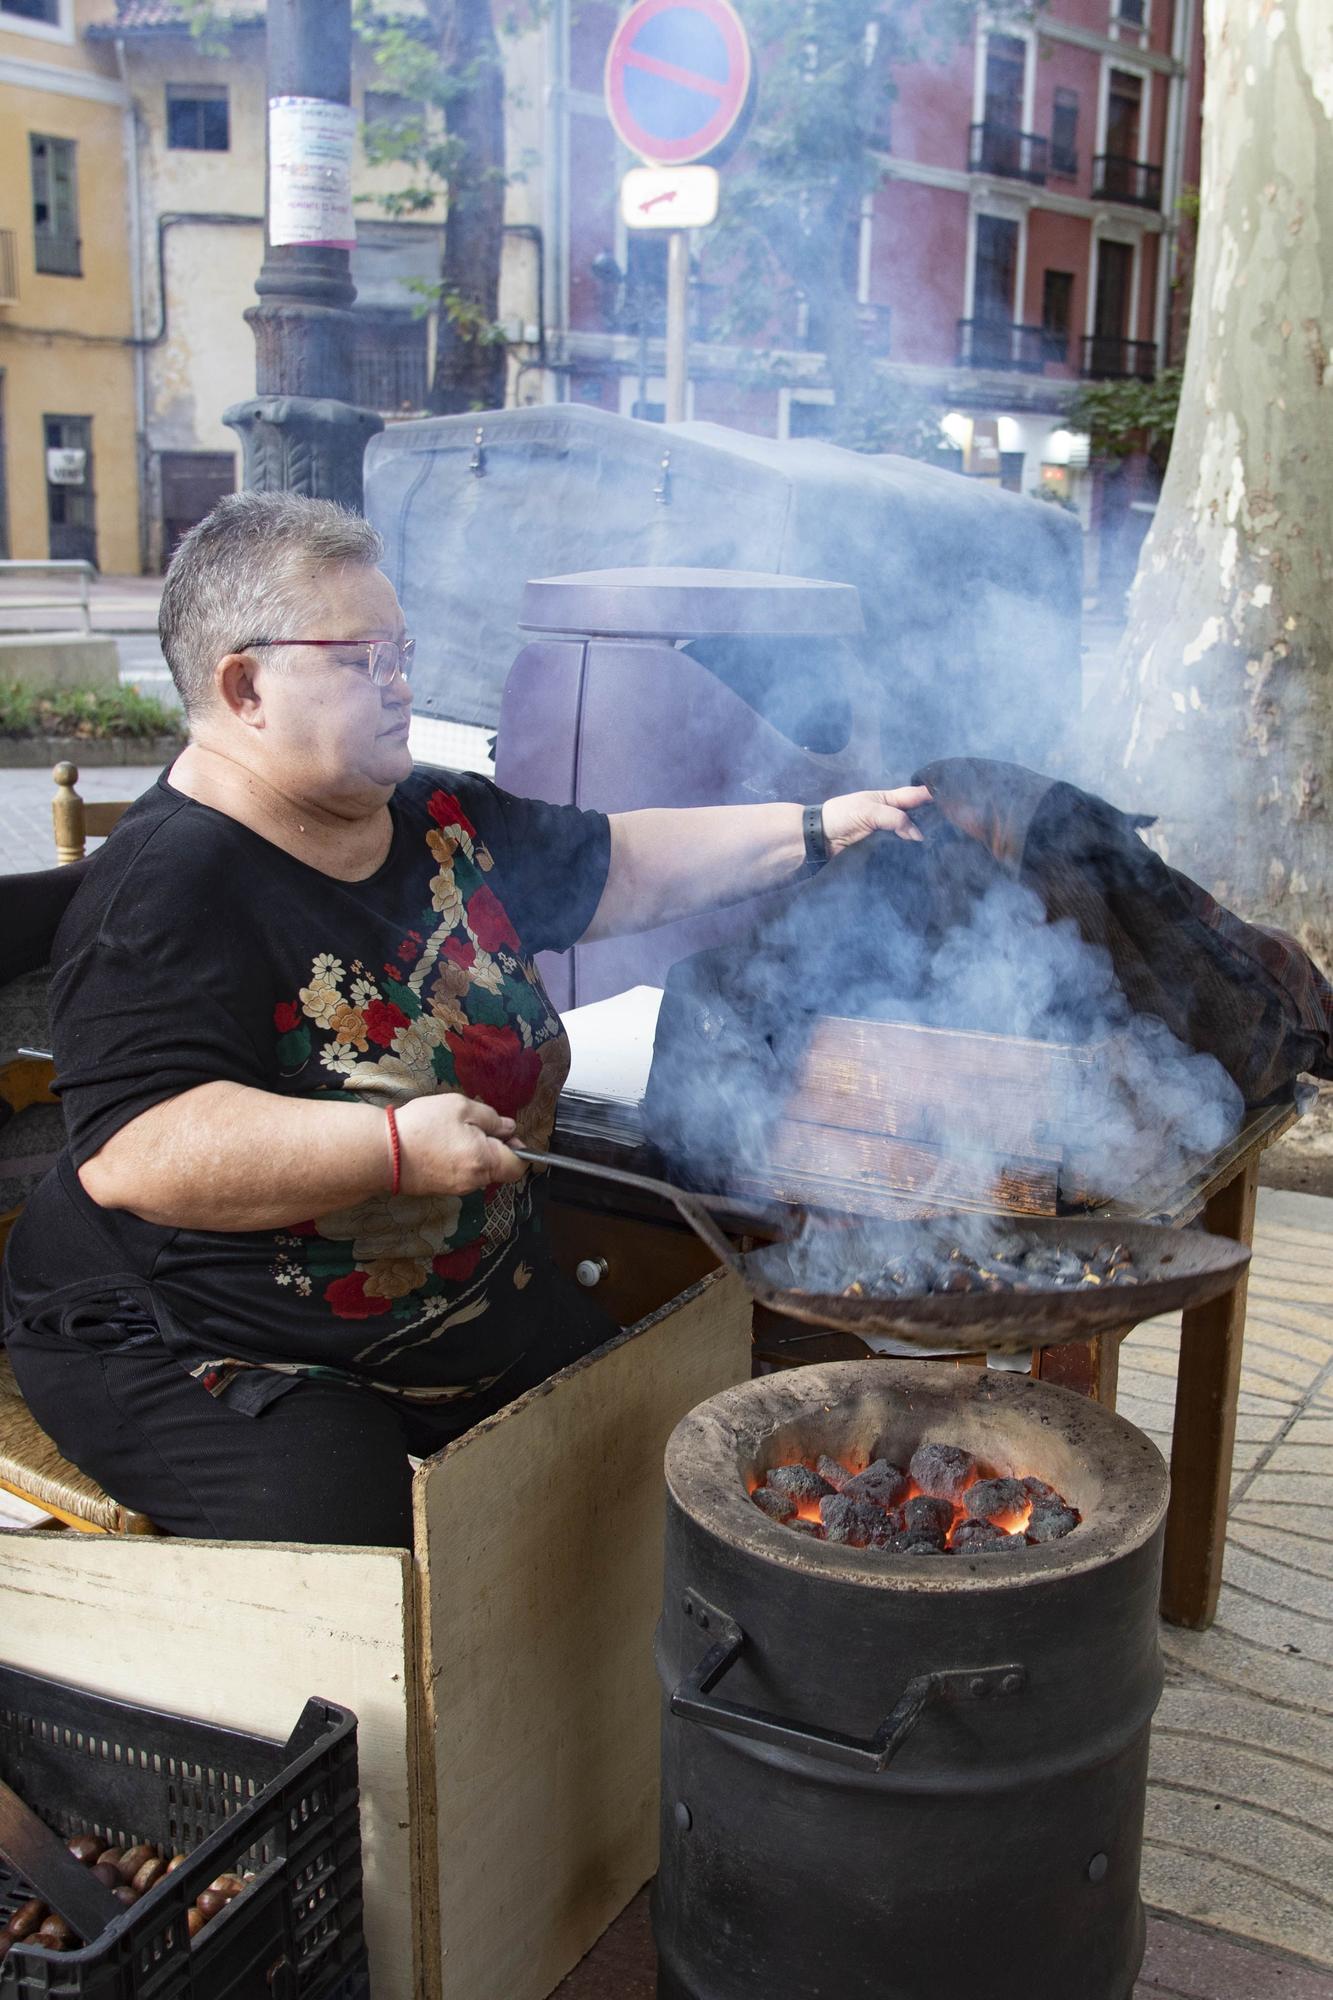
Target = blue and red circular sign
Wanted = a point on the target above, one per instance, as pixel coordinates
(677, 78)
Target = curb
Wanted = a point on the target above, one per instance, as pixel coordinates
(36, 753)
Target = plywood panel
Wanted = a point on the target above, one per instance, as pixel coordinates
(868, 1174)
(242, 1633)
(542, 1532)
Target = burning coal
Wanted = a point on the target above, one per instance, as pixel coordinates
(946, 1502)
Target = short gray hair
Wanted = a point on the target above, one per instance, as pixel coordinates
(241, 573)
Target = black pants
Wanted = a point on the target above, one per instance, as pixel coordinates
(322, 1463)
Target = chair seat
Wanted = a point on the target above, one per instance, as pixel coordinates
(31, 1467)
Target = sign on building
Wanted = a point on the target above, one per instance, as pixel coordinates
(66, 466)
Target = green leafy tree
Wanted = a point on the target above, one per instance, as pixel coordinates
(1121, 418)
(448, 64)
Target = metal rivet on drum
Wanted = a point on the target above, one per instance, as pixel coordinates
(687, 1607)
(978, 1685)
(703, 1621)
(684, 1817)
(1012, 1683)
(1097, 1868)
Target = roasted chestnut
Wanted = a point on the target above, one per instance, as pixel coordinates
(152, 1871)
(85, 1847)
(26, 1918)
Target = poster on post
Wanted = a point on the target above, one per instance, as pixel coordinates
(310, 145)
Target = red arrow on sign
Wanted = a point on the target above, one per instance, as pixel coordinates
(656, 200)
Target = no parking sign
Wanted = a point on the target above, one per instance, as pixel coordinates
(678, 75)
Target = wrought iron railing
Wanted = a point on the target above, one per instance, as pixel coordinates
(1113, 360)
(1134, 181)
(1004, 150)
(991, 343)
(9, 267)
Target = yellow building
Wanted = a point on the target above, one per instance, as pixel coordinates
(69, 457)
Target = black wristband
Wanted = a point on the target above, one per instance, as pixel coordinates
(816, 840)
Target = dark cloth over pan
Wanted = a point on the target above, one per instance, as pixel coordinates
(1029, 907)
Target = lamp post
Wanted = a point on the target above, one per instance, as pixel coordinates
(300, 431)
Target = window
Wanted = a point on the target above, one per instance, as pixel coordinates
(1057, 302)
(1006, 68)
(1133, 13)
(198, 118)
(33, 10)
(1064, 133)
(1124, 103)
(55, 212)
(389, 361)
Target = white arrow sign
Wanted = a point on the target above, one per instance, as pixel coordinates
(669, 197)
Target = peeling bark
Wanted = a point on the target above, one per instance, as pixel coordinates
(1222, 709)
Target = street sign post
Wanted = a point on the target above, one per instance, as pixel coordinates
(678, 78)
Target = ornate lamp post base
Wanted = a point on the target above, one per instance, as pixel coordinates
(304, 444)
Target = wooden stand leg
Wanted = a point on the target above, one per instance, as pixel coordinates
(1204, 1435)
(1088, 1367)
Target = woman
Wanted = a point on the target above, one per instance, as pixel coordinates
(296, 1021)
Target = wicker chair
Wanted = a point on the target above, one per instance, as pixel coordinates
(31, 1134)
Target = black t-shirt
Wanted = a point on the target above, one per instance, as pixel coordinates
(199, 952)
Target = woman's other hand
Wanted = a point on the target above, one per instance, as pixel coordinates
(852, 817)
(452, 1145)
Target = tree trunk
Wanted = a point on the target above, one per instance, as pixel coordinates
(1222, 707)
(469, 355)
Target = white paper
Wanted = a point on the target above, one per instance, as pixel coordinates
(66, 465)
(310, 146)
(611, 1044)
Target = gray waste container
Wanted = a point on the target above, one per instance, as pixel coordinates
(682, 687)
(971, 596)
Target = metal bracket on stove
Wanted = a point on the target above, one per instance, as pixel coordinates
(693, 1700)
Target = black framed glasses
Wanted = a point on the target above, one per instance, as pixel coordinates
(382, 659)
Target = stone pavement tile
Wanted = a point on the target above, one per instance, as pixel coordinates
(1185, 1963)
(1181, 1962)
(26, 839)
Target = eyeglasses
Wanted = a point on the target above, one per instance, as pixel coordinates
(382, 659)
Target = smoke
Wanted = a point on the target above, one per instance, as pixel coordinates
(937, 937)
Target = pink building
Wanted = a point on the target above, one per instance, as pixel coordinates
(1023, 239)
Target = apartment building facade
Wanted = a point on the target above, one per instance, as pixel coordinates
(1023, 238)
(68, 462)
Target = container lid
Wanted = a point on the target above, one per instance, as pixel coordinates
(690, 604)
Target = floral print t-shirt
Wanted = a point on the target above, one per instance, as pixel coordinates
(195, 952)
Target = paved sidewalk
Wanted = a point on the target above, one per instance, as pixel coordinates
(26, 838)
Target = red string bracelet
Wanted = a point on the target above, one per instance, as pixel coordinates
(395, 1152)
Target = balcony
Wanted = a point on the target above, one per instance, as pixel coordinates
(991, 343)
(1001, 149)
(9, 268)
(1112, 360)
(1132, 181)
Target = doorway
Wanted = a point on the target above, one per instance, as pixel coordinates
(1110, 319)
(71, 503)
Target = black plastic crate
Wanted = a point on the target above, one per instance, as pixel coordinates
(234, 1802)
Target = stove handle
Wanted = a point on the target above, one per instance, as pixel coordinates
(694, 1701)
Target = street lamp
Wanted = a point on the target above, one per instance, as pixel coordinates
(301, 432)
